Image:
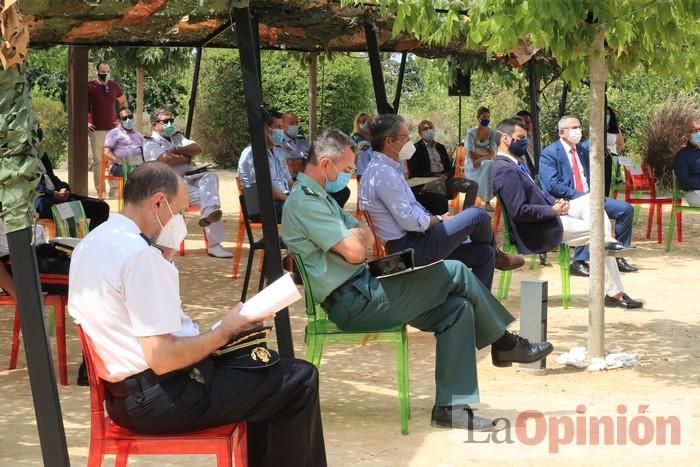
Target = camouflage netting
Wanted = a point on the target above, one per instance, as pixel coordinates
(19, 164)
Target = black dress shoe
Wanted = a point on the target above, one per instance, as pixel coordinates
(523, 352)
(624, 266)
(463, 417)
(617, 248)
(624, 302)
(579, 268)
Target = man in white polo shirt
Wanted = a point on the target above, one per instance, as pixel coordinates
(160, 376)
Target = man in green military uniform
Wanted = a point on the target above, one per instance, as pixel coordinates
(445, 298)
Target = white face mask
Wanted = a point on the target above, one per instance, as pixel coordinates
(173, 232)
(575, 135)
(407, 151)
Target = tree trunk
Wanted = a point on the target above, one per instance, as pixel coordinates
(596, 311)
(139, 99)
(313, 95)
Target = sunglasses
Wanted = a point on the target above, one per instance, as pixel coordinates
(167, 120)
(126, 117)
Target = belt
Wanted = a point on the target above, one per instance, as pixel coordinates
(344, 287)
(139, 382)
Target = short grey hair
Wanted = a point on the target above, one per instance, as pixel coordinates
(155, 115)
(386, 125)
(560, 123)
(331, 143)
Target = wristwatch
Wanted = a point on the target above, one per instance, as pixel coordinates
(439, 218)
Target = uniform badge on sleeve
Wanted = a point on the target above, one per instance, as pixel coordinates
(309, 191)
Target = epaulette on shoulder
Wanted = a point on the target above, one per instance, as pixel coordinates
(309, 191)
(147, 137)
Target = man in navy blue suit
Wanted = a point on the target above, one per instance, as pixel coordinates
(565, 172)
(538, 221)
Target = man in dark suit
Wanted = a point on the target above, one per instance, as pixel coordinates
(565, 172)
(538, 221)
(52, 190)
(431, 160)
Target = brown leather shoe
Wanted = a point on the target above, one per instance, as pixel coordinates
(505, 262)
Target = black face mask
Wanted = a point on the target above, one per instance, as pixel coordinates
(102, 76)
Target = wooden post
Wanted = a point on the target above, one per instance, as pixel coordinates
(313, 95)
(77, 119)
(596, 311)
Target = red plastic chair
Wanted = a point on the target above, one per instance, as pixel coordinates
(106, 437)
(58, 302)
(460, 157)
(641, 189)
(193, 208)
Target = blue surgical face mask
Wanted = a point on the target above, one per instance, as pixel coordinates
(484, 122)
(695, 138)
(518, 147)
(293, 131)
(364, 126)
(429, 134)
(169, 129)
(128, 124)
(277, 136)
(334, 186)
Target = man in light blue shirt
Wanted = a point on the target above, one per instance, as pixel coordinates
(401, 222)
(276, 159)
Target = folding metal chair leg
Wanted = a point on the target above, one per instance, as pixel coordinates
(239, 248)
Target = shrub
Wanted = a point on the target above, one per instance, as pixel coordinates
(54, 121)
(665, 134)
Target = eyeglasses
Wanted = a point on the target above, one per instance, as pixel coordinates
(167, 120)
(126, 117)
(349, 170)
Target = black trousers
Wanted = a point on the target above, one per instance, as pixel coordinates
(95, 209)
(280, 404)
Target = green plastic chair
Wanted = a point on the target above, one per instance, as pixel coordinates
(320, 330)
(677, 210)
(70, 219)
(616, 188)
(509, 247)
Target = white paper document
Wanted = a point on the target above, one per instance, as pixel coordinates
(280, 294)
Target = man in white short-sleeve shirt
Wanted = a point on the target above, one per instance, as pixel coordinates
(172, 147)
(159, 374)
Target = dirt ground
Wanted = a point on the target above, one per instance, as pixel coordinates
(554, 415)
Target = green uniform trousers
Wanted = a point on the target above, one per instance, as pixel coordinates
(445, 298)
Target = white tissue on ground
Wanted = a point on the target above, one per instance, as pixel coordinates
(578, 357)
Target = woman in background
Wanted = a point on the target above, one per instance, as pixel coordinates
(481, 149)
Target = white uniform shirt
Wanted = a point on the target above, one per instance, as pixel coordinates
(122, 289)
(156, 145)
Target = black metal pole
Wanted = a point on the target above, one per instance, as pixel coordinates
(256, 123)
(399, 84)
(42, 379)
(562, 102)
(255, 25)
(193, 92)
(534, 110)
(459, 125)
(375, 65)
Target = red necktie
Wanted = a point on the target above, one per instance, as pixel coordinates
(578, 181)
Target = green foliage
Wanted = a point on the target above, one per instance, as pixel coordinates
(167, 91)
(221, 123)
(54, 121)
(47, 72)
(661, 35)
